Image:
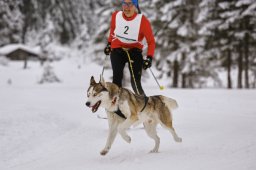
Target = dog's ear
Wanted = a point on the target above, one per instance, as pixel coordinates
(102, 81)
(92, 82)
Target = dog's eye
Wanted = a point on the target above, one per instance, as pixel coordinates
(94, 95)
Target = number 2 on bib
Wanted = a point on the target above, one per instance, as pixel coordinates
(126, 29)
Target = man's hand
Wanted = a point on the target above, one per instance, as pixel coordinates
(107, 49)
(147, 63)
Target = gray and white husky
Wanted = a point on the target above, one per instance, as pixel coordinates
(135, 109)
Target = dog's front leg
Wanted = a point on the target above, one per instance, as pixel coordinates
(123, 127)
(113, 124)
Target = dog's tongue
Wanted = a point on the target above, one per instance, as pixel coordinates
(94, 109)
(96, 106)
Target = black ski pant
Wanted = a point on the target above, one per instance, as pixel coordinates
(119, 58)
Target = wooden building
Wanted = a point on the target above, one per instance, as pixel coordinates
(20, 52)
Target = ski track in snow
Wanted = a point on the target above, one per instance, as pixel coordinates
(49, 127)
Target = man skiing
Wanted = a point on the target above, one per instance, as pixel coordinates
(128, 29)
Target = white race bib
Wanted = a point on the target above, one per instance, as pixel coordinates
(127, 31)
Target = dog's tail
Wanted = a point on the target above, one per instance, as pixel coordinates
(170, 103)
(166, 113)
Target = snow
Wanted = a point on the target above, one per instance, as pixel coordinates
(183, 30)
(244, 2)
(250, 11)
(48, 126)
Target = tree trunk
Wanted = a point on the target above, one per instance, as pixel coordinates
(25, 62)
(240, 67)
(184, 78)
(176, 68)
(190, 80)
(246, 57)
(229, 69)
(24, 32)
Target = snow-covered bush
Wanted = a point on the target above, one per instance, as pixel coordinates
(4, 61)
(48, 75)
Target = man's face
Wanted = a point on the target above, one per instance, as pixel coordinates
(128, 8)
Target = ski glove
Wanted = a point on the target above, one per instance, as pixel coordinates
(147, 63)
(107, 49)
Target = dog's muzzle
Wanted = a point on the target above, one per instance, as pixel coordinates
(94, 107)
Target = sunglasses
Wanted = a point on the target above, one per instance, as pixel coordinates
(127, 4)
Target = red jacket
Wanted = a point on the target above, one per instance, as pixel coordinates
(145, 31)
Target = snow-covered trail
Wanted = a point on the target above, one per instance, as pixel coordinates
(48, 127)
(52, 129)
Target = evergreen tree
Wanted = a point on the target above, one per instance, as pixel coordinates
(246, 36)
(223, 35)
(217, 33)
(104, 13)
(11, 22)
(176, 36)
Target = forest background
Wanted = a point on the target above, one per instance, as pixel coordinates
(200, 43)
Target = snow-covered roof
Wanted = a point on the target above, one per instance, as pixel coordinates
(12, 47)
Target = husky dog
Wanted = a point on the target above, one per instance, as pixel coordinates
(124, 108)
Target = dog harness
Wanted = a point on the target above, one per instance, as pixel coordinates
(119, 113)
(146, 102)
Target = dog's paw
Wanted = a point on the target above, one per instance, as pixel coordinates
(154, 151)
(104, 152)
(178, 139)
(127, 139)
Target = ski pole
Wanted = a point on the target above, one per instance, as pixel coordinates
(104, 65)
(160, 87)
